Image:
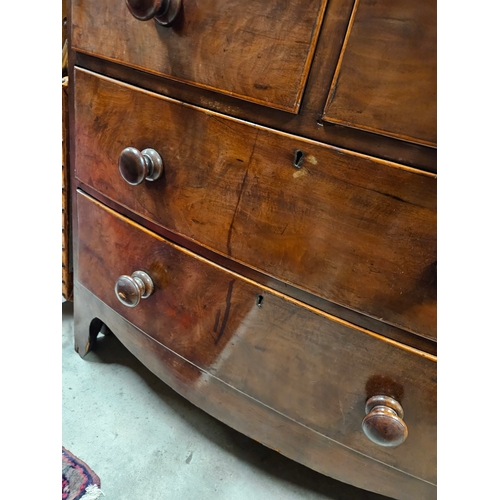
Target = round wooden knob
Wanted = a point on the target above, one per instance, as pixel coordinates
(163, 11)
(135, 165)
(131, 289)
(383, 423)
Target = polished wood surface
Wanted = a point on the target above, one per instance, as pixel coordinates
(376, 326)
(67, 265)
(262, 54)
(386, 78)
(129, 290)
(307, 123)
(287, 356)
(164, 12)
(384, 421)
(136, 166)
(247, 415)
(349, 228)
(292, 249)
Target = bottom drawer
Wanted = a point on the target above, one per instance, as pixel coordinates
(309, 367)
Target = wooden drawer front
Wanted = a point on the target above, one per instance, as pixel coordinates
(386, 78)
(351, 229)
(305, 364)
(259, 51)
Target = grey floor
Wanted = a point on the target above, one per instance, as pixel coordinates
(145, 441)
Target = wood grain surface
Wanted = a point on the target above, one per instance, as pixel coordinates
(349, 228)
(247, 415)
(290, 159)
(308, 122)
(67, 264)
(307, 365)
(259, 51)
(386, 78)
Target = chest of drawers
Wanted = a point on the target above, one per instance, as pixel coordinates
(254, 217)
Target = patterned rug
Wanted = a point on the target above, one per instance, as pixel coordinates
(79, 481)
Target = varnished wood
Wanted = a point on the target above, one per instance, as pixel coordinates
(210, 373)
(247, 415)
(263, 54)
(386, 78)
(129, 290)
(307, 123)
(164, 12)
(136, 166)
(374, 325)
(348, 228)
(67, 265)
(287, 356)
(383, 423)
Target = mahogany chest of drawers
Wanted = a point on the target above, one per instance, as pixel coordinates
(254, 217)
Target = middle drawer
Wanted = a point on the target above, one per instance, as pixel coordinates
(349, 228)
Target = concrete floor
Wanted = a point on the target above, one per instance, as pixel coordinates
(146, 442)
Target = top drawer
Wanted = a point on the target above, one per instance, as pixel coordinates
(386, 81)
(259, 51)
(349, 228)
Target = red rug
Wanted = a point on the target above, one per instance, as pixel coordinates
(79, 481)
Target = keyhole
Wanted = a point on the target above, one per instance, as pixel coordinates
(260, 299)
(298, 158)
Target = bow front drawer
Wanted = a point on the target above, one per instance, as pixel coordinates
(351, 229)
